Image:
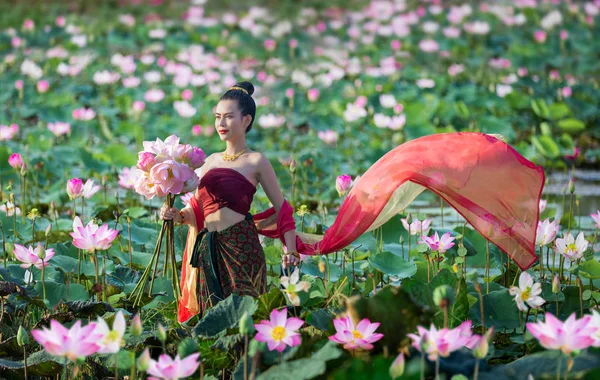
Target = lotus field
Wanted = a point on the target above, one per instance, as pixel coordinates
(102, 101)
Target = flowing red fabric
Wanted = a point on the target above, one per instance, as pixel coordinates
(487, 181)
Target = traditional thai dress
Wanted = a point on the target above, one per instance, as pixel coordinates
(487, 181)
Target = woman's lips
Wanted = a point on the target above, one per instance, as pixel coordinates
(223, 131)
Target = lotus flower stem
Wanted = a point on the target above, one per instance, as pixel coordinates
(437, 368)
(476, 372)
(409, 246)
(117, 365)
(487, 267)
(580, 286)
(25, 360)
(130, 247)
(132, 372)
(558, 366)
(44, 283)
(245, 356)
(4, 255)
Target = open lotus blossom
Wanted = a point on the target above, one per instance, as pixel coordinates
(360, 336)
(37, 257)
(128, 177)
(7, 132)
(89, 189)
(596, 218)
(173, 369)
(570, 247)
(328, 136)
(438, 244)
(91, 237)
(595, 322)
(172, 177)
(74, 343)
(417, 227)
(111, 340)
(75, 188)
(84, 114)
(543, 204)
(59, 128)
(546, 232)
(443, 342)
(573, 334)
(279, 331)
(10, 209)
(293, 285)
(528, 292)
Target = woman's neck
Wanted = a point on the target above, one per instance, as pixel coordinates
(234, 147)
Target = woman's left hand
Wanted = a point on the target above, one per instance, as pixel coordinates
(290, 260)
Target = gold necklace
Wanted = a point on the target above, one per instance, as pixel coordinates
(227, 157)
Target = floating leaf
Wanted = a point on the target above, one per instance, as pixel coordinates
(391, 264)
(225, 315)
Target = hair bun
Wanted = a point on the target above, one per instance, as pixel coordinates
(247, 86)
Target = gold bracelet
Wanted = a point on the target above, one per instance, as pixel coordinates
(182, 215)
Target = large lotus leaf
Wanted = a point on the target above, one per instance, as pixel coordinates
(500, 311)
(422, 292)
(39, 363)
(393, 265)
(57, 292)
(225, 315)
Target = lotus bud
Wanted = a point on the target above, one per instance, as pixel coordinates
(22, 337)
(246, 324)
(571, 185)
(482, 347)
(143, 361)
(162, 333)
(48, 230)
(556, 284)
(136, 326)
(409, 219)
(397, 367)
(322, 267)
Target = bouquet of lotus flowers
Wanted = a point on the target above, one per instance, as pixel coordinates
(166, 169)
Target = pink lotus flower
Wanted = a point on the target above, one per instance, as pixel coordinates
(270, 44)
(91, 237)
(19, 84)
(194, 157)
(436, 243)
(546, 232)
(16, 161)
(528, 293)
(172, 177)
(361, 101)
(8, 132)
(75, 188)
(85, 114)
(60, 21)
(540, 36)
(328, 136)
(10, 209)
(128, 177)
(595, 323)
(184, 109)
(543, 204)
(566, 92)
(564, 34)
(43, 86)
(28, 24)
(397, 367)
(59, 128)
(187, 94)
(573, 334)
(429, 46)
(293, 43)
(146, 161)
(172, 369)
(89, 189)
(313, 94)
(279, 331)
(110, 341)
(196, 130)
(361, 336)
(74, 343)
(570, 247)
(154, 96)
(596, 219)
(442, 342)
(343, 184)
(37, 257)
(185, 198)
(417, 227)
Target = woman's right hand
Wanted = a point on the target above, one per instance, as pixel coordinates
(170, 213)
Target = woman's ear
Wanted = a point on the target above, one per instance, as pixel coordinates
(247, 119)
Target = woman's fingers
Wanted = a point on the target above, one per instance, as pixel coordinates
(168, 213)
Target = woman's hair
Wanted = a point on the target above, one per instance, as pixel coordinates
(242, 93)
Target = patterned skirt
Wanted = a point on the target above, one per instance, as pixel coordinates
(229, 261)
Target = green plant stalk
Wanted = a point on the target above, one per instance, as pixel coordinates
(79, 267)
(4, 255)
(409, 243)
(132, 370)
(116, 366)
(96, 266)
(245, 356)
(558, 366)
(437, 368)
(43, 282)
(422, 365)
(130, 247)
(476, 372)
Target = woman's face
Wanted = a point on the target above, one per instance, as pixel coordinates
(229, 122)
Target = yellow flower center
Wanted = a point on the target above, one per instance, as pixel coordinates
(572, 247)
(112, 336)
(526, 294)
(357, 335)
(278, 333)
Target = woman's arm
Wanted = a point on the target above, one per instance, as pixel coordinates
(268, 181)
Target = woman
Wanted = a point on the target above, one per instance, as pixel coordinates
(226, 254)
(487, 181)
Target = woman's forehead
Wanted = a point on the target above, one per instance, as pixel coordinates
(225, 106)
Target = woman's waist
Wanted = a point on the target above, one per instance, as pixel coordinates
(222, 219)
